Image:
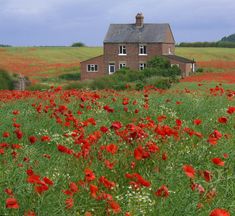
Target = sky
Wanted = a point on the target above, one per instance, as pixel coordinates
(63, 22)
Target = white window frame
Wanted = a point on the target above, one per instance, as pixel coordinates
(93, 68)
(176, 65)
(143, 49)
(122, 65)
(142, 66)
(122, 50)
(169, 51)
(112, 65)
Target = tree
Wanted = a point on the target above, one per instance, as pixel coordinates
(78, 44)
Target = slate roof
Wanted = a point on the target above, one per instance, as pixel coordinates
(149, 33)
(179, 58)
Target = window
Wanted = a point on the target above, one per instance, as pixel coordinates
(122, 65)
(112, 68)
(142, 66)
(92, 68)
(169, 51)
(175, 65)
(122, 50)
(142, 49)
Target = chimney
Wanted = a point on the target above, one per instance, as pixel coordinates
(139, 20)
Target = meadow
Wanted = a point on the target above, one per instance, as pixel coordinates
(45, 65)
(150, 152)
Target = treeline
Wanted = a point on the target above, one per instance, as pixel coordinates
(3, 45)
(222, 44)
(230, 38)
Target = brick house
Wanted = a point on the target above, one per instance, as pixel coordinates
(132, 45)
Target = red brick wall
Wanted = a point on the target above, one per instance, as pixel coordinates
(132, 59)
(92, 75)
(184, 67)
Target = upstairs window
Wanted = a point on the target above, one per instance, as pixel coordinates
(142, 49)
(92, 68)
(122, 50)
(142, 66)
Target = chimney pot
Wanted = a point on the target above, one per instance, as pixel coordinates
(139, 20)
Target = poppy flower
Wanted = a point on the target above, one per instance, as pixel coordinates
(29, 213)
(6, 134)
(162, 191)
(112, 148)
(115, 206)
(207, 175)
(89, 175)
(48, 181)
(231, 110)
(116, 125)
(217, 161)
(32, 139)
(104, 129)
(12, 203)
(73, 187)
(93, 190)
(219, 212)
(189, 171)
(45, 139)
(197, 121)
(69, 203)
(222, 120)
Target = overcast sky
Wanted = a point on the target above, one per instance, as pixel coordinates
(62, 22)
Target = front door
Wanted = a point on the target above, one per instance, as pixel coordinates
(112, 68)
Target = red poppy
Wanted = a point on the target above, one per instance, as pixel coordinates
(231, 110)
(12, 203)
(104, 129)
(6, 134)
(112, 148)
(115, 206)
(45, 139)
(73, 187)
(32, 139)
(48, 181)
(197, 121)
(108, 184)
(223, 120)
(29, 213)
(189, 171)
(93, 190)
(178, 122)
(219, 212)
(217, 161)
(207, 175)
(108, 164)
(69, 203)
(8, 191)
(89, 175)
(41, 188)
(116, 125)
(162, 191)
(164, 156)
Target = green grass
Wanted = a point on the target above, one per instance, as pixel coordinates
(207, 54)
(63, 168)
(57, 54)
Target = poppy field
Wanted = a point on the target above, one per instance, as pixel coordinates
(149, 152)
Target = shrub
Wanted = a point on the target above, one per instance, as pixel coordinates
(70, 76)
(199, 70)
(159, 62)
(38, 87)
(6, 80)
(78, 44)
(79, 85)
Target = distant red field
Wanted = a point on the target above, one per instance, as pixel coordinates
(225, 73)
